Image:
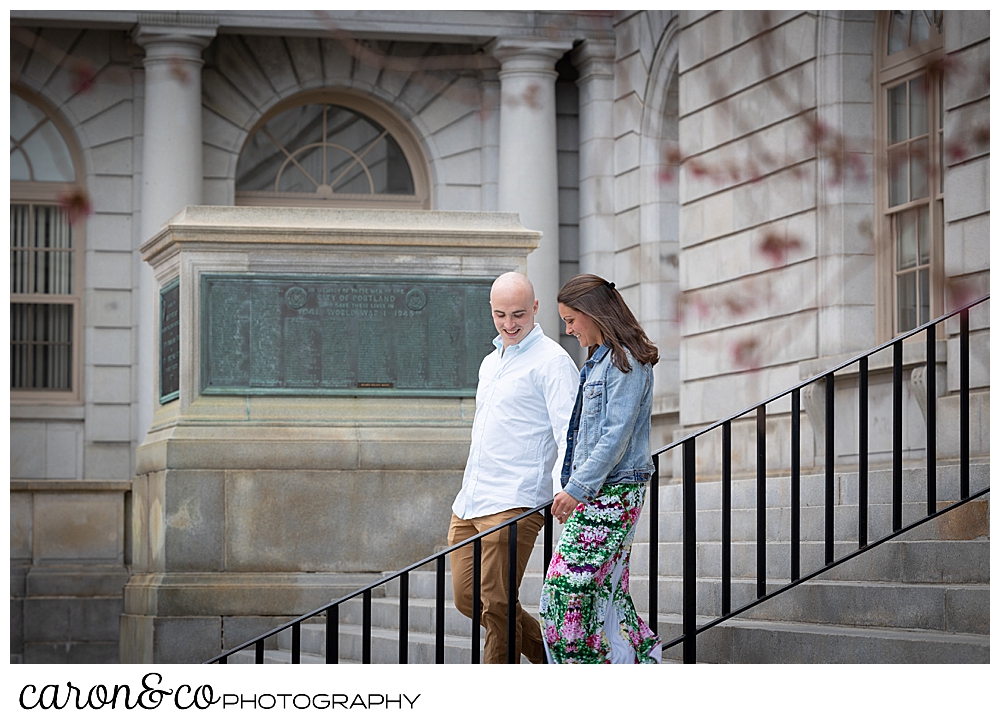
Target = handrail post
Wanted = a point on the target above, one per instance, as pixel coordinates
(333, 634)
(296, 643)
(862, 452)
(796, 483)
(761, 501)
(897, 435)
(404, 616)
(727, 516)
(477, 592)
(366, 627)
(547, 536)
(964, 404)
(689, 624)
(259, 652)
(931, 406)
(439, 618)
(512, 594)
(654, 543)
(830, 479)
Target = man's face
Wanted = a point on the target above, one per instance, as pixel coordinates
(513, 313)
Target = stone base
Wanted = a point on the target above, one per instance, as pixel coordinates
(165, 621)
(69, 614)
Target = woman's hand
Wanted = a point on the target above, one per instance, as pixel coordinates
(563, 506)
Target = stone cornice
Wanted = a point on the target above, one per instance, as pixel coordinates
(215, 227)
(471, 26)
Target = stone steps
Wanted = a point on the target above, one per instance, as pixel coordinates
(740, 641)
(922, 597)
(813, 488)
(421, 648)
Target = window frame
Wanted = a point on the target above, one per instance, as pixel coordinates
(48, 193)
(378, 112)
(890, 71)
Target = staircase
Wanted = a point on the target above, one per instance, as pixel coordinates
(921, 598)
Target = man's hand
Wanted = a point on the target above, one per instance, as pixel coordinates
(563, 506)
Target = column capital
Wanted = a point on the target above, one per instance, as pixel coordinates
(528, 53)
(174, 34)
(594, 58)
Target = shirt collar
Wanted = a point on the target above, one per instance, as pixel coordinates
(598, 354)
(533, 336)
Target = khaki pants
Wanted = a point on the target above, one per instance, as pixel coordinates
(494, 582)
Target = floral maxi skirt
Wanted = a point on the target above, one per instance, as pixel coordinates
(586, 611)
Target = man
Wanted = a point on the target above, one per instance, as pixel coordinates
(527, 389)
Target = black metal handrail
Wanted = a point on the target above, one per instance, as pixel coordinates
(690, 628)
(331, 610)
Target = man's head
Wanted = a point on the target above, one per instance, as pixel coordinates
(514, 306)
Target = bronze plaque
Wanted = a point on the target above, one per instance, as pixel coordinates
(344, 335)
(170, 338)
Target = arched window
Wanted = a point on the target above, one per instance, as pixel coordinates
(332, 149)
(910, 188)
(46, 254)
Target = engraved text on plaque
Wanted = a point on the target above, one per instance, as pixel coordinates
(344, 335)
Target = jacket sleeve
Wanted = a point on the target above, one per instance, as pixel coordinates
(562, 380)
(624, 391)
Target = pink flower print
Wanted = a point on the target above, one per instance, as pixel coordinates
(594, 641)
(558, 567)
(573, 625)
(625, 579)
(632, 514)
(645, 630)
(603, 571)
(590, 537)
(551, 635)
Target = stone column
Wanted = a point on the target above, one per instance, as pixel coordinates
(528, 180)
(171, 161)
(491, 138)
(594, 60)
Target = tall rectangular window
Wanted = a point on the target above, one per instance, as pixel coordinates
(44, 304)
(911, 203)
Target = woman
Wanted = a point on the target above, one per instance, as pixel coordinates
(586, 611)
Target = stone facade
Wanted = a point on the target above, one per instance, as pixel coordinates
(160, 106)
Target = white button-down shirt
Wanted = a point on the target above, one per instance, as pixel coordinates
(524, 401)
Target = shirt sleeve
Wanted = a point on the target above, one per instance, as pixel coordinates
(562, 380)
(622, 411)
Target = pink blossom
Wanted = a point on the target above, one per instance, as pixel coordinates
(551, 635)
(573, 625)
(603, 572)
(558, 567)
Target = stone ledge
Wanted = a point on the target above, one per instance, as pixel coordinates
(238, 594)
(70, 486)
(76, 580)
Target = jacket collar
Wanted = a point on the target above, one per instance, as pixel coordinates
(599, 354)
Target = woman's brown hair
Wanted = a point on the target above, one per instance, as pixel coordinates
(599, 300)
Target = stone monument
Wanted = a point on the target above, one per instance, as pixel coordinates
(316, 383)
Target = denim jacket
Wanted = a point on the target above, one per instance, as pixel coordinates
(608, 435)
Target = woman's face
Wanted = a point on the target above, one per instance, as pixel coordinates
(581, 326)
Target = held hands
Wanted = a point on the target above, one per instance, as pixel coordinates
(563, 506)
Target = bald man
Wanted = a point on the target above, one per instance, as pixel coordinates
(527, 389)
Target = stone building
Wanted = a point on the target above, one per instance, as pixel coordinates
(771, 192)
